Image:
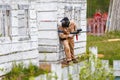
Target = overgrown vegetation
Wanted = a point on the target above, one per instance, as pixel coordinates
(94, 69)
(110, 50)
(20, 72)
(93, 5)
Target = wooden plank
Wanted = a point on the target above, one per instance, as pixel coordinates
(48, 42)
(116, 67)
(62, 55)
(116, 64)
(48, 56)
(47, 16)
(19, 56)
(47, 25)
(48, 34)
(32, 14)
(79, 51)
(83, 25)
(14, 6)
(24, 46)
(34, 38)
(65, 73)
(34, 33)
(41, 1)
(5, 49)
(6, 66)
(83, 15)
(33, 29)
(14, 21)
(83, 22)
(46, 6)
(73, 69)
(4, 40)
(33, 23)
(84, 29)
(48, 49)
(80, 44)
(30, 54)
(14, 31)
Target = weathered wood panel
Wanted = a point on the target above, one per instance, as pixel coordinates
(34, 38)
(46, 7)
(5, 49)
(47, 25)
(14, 18)
(47, 48)
(48, 42)
(116, 67)
(32, 14)
(48, 56)
(47, 16)
(4, 40)
(32, 23)
(80, 50)
(16, 47)
(80, 44)
(46, 1)
(48, 34)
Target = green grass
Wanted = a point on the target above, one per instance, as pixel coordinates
(20, 72)
(110, 50)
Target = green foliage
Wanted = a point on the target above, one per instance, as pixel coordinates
(83, 57)
(100, 72)
(20, 72)
(92, 5)
(110, 50)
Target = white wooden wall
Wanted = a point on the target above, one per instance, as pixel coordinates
(19, 48)
(48, 39)
(49, 14)
(44, 16)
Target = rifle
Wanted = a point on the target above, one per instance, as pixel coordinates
(75, 32)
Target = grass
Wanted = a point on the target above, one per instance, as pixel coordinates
(110, 50)
(20, 72)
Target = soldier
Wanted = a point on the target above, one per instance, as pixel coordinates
(67, 39)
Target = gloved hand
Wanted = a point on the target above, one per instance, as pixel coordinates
(70, 35)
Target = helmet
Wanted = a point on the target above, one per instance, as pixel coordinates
(65, 22)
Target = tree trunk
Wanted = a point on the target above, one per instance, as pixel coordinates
(114, 16)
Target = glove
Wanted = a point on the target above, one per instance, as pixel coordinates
(70, 35)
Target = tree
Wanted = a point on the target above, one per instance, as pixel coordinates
(114, 16)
